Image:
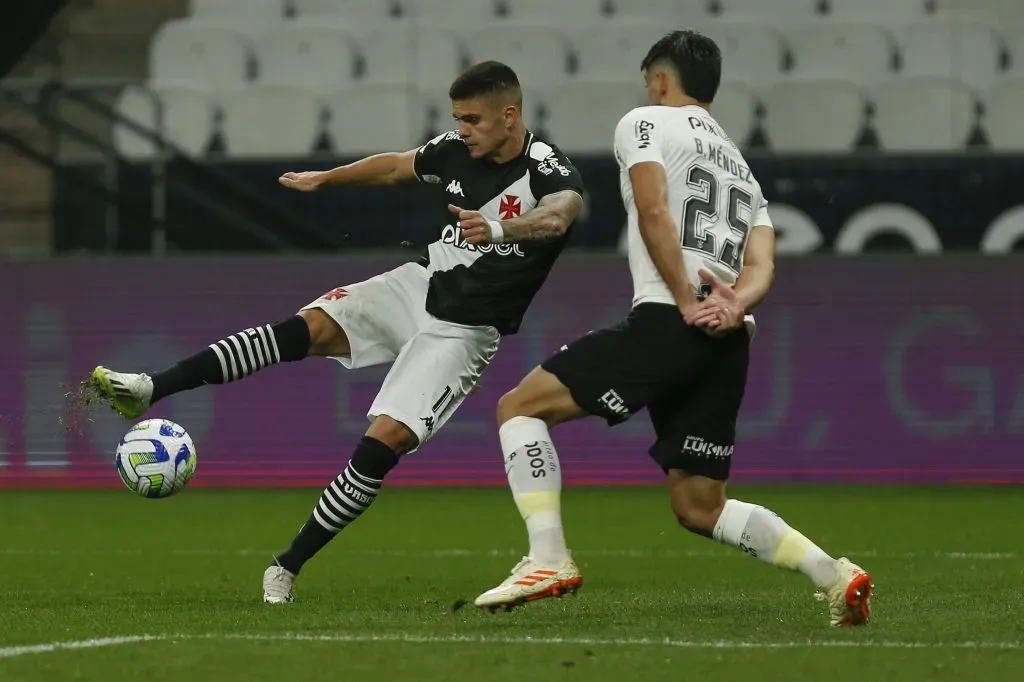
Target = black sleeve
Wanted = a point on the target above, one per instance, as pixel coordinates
(432, 157)
(555, 173)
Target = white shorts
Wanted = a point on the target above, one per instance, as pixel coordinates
(436, 363)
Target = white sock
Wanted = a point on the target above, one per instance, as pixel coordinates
(535, 477)
(762, 534)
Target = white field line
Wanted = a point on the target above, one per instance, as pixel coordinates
(14, 651)
(455, 552)
(409, 638)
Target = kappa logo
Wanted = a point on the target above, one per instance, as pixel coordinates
(429, 423)
(455, 187)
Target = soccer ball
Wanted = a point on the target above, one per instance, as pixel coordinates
(156, 458)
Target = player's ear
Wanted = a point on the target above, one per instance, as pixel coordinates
(510, 116)
(664, 83)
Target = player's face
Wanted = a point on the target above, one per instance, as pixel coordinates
(485, 123)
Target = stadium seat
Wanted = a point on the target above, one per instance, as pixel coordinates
(542, 11)
(1001, 11)
(882, 12)
(751, 53)
(203, 57)
(270, 121)
(923, 114)
(354, 11)
(814, 116)
(402, 52)
(581, 117)
(857, 52)
(613, 51)
(965, 50)
(451, 13)
(1015, 46)
(263, 11)
(187, 120)
(320, 59)
(669, 13)
(538, 54)
(1004, 115)
(735, 108)
(777, 14)
(371, 119)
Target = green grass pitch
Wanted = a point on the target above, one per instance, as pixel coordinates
(84, 576)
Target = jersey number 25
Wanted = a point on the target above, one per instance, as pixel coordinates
(702, 208)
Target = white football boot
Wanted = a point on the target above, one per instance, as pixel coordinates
(530, 581)
(849, 596)
(277, 586)
(128, 394)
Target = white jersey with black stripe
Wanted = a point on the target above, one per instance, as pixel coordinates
(713, 196)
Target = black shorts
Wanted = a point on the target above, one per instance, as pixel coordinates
(691, 384)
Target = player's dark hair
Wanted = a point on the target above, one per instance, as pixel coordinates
(485, 78)
(695, 57)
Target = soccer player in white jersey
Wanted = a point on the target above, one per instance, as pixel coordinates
(701, 252)
(438, 321)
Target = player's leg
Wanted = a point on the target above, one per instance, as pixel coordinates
(591, 376)
(696, 436)
(323, 328)
(432, 375)
(525, 414)
(343, 501)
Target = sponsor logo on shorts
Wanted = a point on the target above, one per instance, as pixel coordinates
(696, 445)
(453, 236)
(615, 404)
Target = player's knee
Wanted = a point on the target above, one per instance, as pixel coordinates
(511, 405)
(696, 510)
(326, 336)
(695, 520)
(393, 433)
(519, 403)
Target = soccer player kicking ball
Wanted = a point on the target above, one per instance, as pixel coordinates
(438, 321)
(701, 252)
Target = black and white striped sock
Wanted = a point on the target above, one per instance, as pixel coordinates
(236, 357)
(343, 501)
(246, 352)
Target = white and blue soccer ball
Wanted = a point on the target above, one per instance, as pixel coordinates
(156, 458)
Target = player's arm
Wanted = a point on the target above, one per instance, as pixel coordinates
(380, 169)
(758, 272)
(658, 230)
(726, 306)
(548, 220)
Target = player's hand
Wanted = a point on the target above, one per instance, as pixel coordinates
(718, 314)
(475, 229)
(307, 181)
